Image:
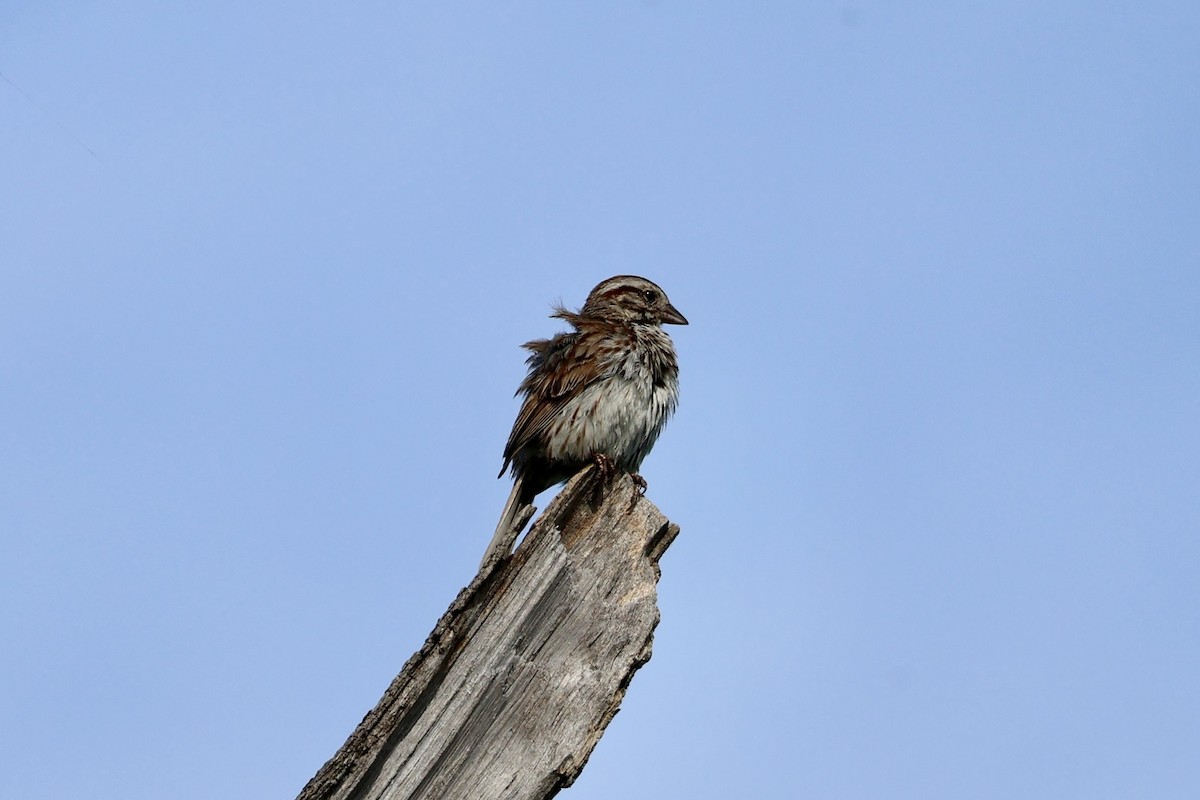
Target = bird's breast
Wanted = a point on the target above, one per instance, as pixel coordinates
(622, 413)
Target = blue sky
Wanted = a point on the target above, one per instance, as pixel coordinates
(266, 268)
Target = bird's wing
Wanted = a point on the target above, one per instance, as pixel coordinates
(559, 369)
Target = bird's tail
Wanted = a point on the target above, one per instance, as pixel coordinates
(517, 512)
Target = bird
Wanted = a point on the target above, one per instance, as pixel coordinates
(600, 393)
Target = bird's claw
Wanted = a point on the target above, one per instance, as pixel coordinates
(606, 469)
(604, 466)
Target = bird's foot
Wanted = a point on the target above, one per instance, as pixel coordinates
(605, 467)
(640, 483)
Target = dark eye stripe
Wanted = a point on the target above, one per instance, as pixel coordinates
(617, 291)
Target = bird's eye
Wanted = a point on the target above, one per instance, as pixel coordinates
(650, 295)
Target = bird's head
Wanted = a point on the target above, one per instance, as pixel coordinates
(628, 298)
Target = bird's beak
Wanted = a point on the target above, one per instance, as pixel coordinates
(671, 316)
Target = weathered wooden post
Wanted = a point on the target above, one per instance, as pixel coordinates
(516, 684)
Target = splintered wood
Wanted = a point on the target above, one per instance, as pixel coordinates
(520, 677)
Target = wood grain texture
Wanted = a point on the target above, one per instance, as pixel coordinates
(516, 684)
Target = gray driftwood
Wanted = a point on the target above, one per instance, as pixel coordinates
(527, 667)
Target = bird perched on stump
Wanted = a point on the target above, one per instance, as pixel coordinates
(600, 394)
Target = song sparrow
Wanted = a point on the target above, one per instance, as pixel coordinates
(600, 393)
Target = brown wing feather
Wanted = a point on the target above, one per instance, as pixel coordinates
(559, 369)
